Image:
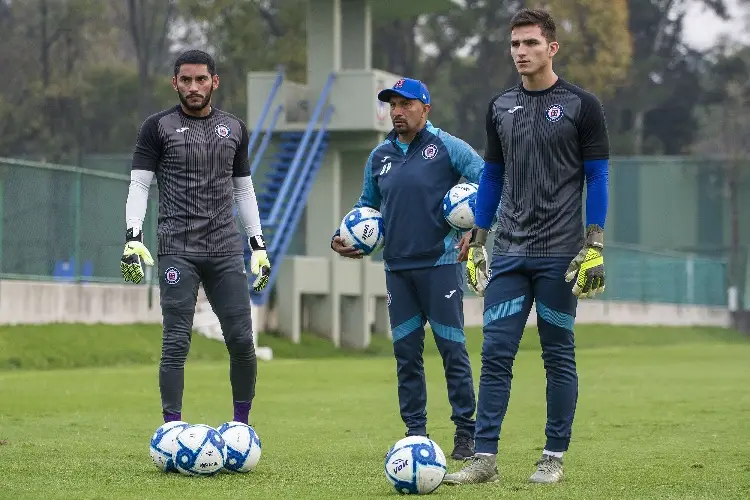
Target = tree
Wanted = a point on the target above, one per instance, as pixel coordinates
(149, 23)
(724, 138)
(596, 48)
(661, 65)
(247, 35)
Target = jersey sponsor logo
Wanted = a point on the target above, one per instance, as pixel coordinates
(554, 112)
(181, 130)
(172, 276)
(514, 109)
(222, 131)
(430, 152)
(385, 168)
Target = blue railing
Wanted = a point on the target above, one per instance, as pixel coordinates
(266, 108)
(292, 174)
(295, 206)
(266, 139)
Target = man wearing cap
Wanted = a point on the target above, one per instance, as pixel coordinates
(405, 178)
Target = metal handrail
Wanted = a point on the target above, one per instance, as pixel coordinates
(282, 236)
(266, 138)
(266, 108)
(291, 175)
(304, 175)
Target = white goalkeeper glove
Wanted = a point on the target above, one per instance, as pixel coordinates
(477, 275)
(134, 256)
(260, 266)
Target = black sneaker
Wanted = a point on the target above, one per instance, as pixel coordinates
(407, 435)
(463, 446)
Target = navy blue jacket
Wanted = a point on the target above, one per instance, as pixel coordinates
(408, 189)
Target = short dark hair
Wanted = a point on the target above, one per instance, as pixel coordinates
(195, 57)
(536, 17)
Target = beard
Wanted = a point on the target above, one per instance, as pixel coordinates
(196, 106)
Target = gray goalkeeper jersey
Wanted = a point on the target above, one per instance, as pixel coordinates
(194, 160)
(543, 139)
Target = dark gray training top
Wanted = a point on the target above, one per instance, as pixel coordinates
(543, 138)
(195, 160)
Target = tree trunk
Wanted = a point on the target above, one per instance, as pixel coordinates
(45, 44)
(638, 126)
(734, 221)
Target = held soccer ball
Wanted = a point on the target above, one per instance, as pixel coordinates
(243, 446)
(458, 205)
(163, 445)
(415, 465)
(362, 228)
(200, 451)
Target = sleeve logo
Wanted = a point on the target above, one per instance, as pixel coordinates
(430, 152)
(554, 112)
(222, 131)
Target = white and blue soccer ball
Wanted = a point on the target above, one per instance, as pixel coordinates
(458, 205)
(243, 446)
(415, 465)
(362, 228)
(201, 451)
(163, 445)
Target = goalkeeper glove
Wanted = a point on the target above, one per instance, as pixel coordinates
(477, 274)
(260, 266)
(588, 265)
(135, 251)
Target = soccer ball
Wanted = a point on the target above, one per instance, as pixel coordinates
(163, 445)
(415, 465)
(362, 228)
(200, 451)
(243, 446)
(458, 205)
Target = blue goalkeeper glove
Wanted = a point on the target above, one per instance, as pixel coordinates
(588, 265)
(134, 256)
(260, 266)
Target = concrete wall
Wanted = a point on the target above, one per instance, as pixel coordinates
(47, 302)
(51, 302)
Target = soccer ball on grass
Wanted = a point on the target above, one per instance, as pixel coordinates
(415, 465)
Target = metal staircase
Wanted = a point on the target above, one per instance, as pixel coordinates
(282, 192)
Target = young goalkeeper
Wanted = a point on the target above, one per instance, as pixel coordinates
(545, 137)
(406, 178)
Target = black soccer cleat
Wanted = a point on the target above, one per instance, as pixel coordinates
(463, 446)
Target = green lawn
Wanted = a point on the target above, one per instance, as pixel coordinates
(662, 413)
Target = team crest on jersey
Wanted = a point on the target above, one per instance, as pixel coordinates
(222, 131)
(430, 152)
(554, 112)
(172, 276)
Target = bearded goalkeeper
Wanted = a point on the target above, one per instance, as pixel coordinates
(198, 155)
(545, 138)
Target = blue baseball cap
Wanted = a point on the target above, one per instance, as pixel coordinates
(407, 88)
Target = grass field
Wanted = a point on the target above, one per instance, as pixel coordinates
(662, 414)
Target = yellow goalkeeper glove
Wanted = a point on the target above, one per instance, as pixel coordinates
(260, 266)
(477, 275)
(134, 256)
(588, 265)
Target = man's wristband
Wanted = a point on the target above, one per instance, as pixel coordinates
(478, 236)
(133, 234)
(595, 236)
(257, 243)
